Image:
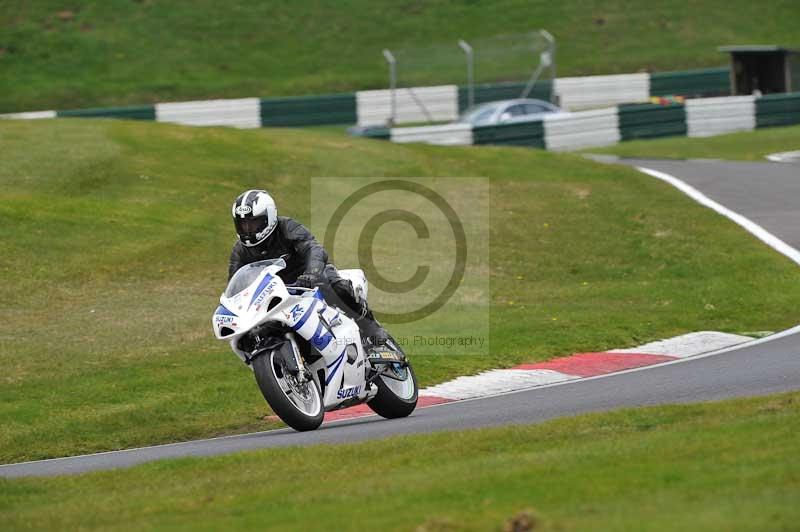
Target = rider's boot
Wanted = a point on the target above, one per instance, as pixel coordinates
(371, 329)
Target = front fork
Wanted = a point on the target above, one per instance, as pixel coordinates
(292, 358)
(289, 354)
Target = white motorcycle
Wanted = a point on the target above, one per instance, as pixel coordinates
(307, 355)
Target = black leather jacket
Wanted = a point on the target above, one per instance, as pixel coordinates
(291, 238)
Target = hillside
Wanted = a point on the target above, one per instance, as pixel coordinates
(60, 55)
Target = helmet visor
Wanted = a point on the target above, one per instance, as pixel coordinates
(250, 225)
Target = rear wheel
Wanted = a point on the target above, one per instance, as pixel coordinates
(397, 392)
(298, 404)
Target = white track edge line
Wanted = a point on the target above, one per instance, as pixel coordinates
(750, 226)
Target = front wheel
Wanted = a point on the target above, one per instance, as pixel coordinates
(298, 404)
(397, 392)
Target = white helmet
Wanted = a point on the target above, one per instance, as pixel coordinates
(255, 216)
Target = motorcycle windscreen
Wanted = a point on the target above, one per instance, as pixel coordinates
(248, 273)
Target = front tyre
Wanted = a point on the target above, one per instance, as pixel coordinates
(299, 405)
(397, 392)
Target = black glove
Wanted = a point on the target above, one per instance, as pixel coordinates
(308, 280)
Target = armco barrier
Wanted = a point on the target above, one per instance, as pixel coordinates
(587, 129)
(778, 110)
(599, 127)
(529, 134)
(309, 110)
(444, 102)
(138, 112)
(603, 127)
(375, 107)
(650, 121)
(691, 83)
(713, 116)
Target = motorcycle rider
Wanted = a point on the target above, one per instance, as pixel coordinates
(265, 235)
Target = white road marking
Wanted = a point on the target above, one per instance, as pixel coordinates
(759, 232)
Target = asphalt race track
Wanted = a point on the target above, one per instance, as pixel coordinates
(763, 192)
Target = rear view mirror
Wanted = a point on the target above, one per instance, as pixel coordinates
(505, 117)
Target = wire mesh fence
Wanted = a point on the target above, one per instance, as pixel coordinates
(502, 58)
(484, 69)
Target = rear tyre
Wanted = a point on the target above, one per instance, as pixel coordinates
(298, 405)
(396, 398)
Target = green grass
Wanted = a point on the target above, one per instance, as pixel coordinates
(730, 465)
(745, 146)
(114, 239)
(60, 55)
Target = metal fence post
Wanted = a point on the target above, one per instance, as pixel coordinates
(464, 45)
(546, 60)
(547, 35)
(387, 54)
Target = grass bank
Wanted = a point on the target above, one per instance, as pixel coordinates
(744, 146)
(715, 466)
(57, 55)
(114, 239)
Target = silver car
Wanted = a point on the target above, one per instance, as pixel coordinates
(509, 112)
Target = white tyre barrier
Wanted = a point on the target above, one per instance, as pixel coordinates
(375, 107)
(600, 91)
(587, 129)
(241, 113)
(33, 115)
(713, 116)
(446, 135)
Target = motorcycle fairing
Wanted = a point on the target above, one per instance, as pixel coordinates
(331, 333)
(327, 330)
